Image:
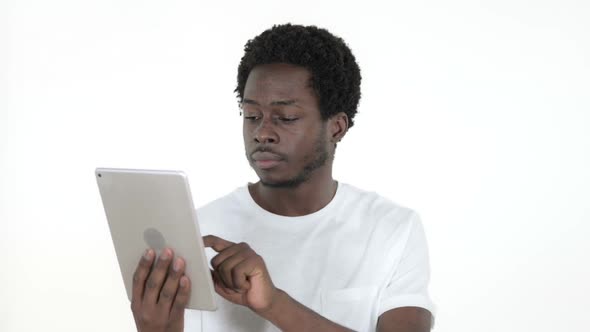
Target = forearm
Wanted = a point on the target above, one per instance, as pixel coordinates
(289, 315)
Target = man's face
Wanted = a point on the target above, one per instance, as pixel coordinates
(284, 135)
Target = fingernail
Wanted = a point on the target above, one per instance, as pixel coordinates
(165, 254)
(177, 264)
(147, 255)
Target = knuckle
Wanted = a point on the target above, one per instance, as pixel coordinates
(162, 264)
(221, 267)
(146, 318)
(151, 320)
(166, 295)
(180, 303)
(259, 260)
(226, 277)
(186, 288)
(137, 276)
(223, 272)
(151, 284)
(215, 262)
(235, 274)
(174, 276)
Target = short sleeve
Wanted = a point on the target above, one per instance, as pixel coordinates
(408, 286)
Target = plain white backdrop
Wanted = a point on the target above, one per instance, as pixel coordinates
(474, 113)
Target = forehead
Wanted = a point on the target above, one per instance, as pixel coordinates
(278, 80)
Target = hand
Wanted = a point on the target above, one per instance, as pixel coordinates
(159, 297)
(240, 275)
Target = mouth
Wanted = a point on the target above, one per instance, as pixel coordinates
(266, 160)
(267, 164)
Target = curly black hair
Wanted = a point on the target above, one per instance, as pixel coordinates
(336, 77)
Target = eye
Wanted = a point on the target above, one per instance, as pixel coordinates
(252, 118)
(288, 119)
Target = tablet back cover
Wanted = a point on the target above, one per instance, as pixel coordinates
(148, 208)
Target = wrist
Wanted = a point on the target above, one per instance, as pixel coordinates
(287, 314)
(279, 303)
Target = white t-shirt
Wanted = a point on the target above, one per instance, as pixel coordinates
(359, 256)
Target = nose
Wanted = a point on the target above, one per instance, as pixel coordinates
(266, 133)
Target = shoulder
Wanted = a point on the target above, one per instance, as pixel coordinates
(376, 208)
(382, 220)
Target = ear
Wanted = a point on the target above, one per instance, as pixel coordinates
(338, 126)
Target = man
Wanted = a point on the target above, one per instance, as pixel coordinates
(297, 251)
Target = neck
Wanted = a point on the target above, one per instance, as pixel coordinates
(308, 197)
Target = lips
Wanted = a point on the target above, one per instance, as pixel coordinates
(261, 156)
(266, 160)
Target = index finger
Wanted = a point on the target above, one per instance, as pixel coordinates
(216, 243)
(140, 275)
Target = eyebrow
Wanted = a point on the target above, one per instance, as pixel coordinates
(274, 103)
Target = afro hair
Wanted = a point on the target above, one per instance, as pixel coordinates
(336, 76)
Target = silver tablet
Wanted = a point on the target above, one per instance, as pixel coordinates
(154, 209)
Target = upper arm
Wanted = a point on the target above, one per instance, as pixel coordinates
(406, 305)
(405, 319)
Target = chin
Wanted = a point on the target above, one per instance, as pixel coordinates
(267, 180)
(280, 182)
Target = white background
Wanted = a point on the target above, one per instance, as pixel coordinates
(476, 114)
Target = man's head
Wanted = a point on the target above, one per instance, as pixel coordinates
(299, 89)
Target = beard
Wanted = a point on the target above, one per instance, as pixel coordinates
(317, 159)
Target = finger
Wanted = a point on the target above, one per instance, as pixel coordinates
(156, 279)
(227, 270)
(216, 243)
(228, 252)
(181, 299)
(171, 284)
(226, 293)
(140, 275)
(220, 286)
(241, 274)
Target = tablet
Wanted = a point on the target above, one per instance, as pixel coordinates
(154, 209)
